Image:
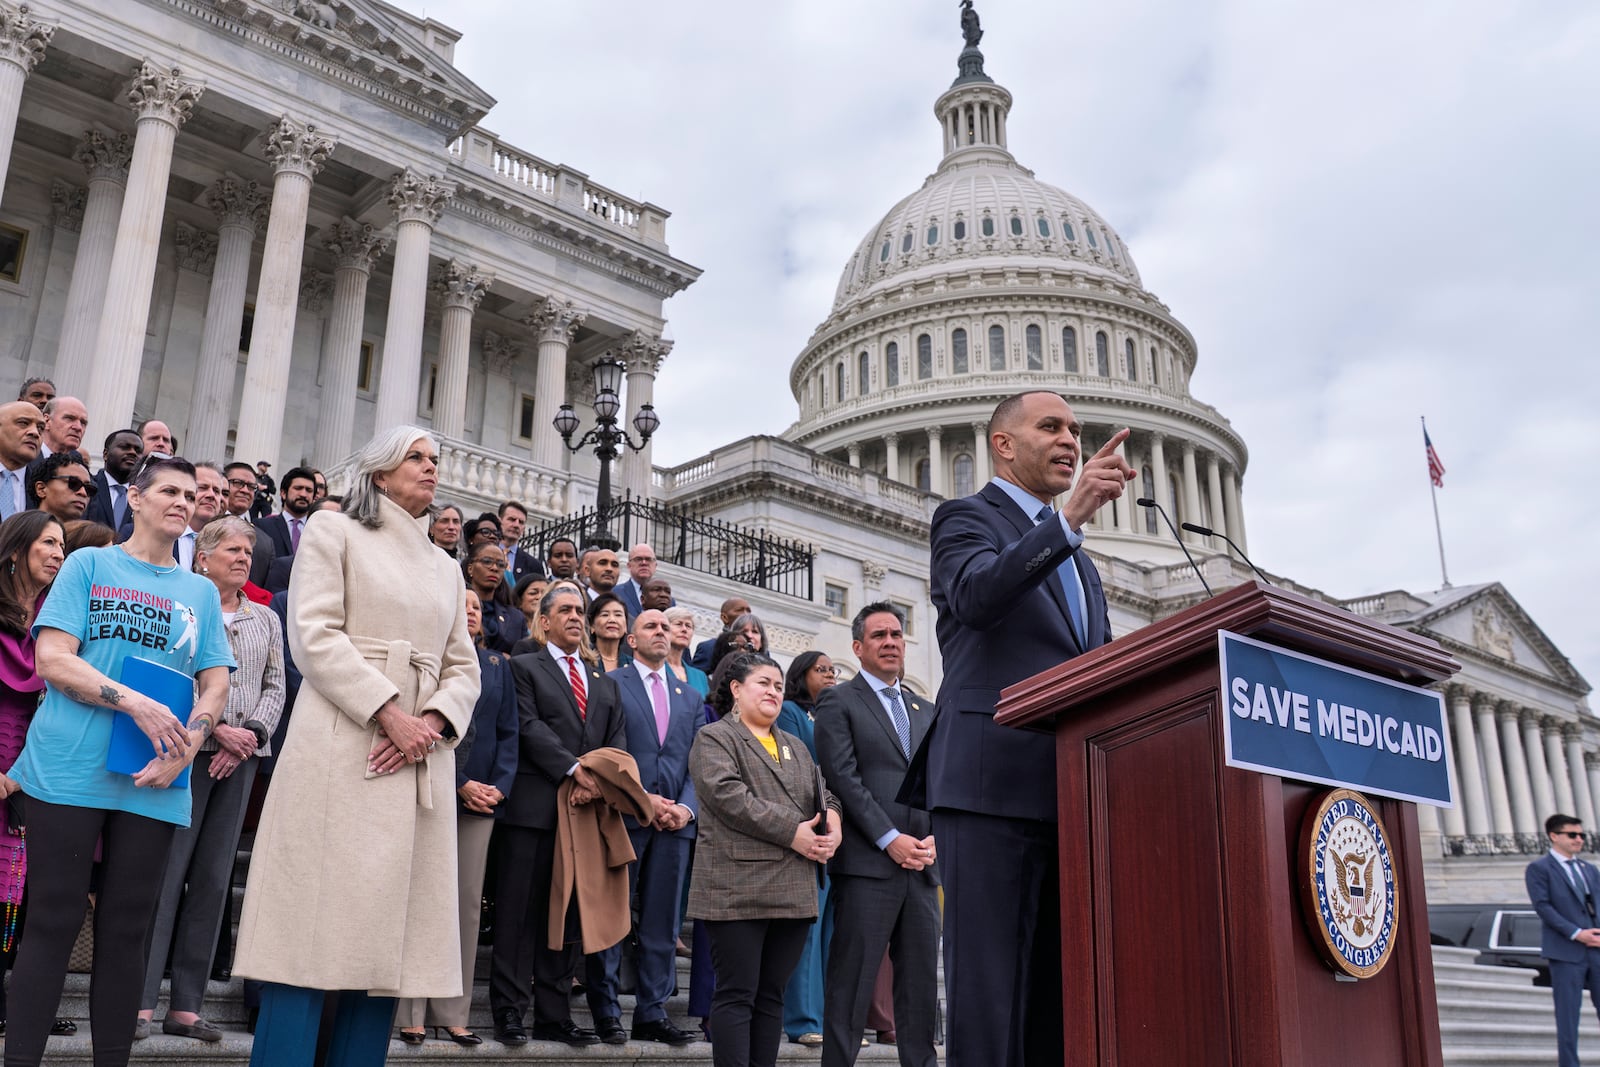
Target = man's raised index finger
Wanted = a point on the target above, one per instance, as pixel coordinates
(1111, 445)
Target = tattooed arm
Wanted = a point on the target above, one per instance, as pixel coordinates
(58, 663)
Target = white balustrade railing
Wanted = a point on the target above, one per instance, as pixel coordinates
(469, 473)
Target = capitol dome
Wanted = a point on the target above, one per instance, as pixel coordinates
(985, 282)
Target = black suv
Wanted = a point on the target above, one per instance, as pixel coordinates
(1505, 935)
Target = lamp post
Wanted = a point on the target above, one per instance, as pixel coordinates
(607, 436)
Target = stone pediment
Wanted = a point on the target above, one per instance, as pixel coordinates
(368, 40)
(1486, 621)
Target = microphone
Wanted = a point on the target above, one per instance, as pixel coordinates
(1203, 532)
(1146, 502)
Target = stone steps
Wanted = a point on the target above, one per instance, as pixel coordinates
(1496, 1016)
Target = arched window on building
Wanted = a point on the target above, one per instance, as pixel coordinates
(1067, 230)
(1069, 348)
(838, 379)
(1155, 367)
(1016, 225)
(1102, 354)
(959, 230)
(958, 352)
(1133, 359)
(883, 253)
(1086, 229)
(1034, 343)
(824, 379)
(863, 372)
(988, 225)
(997, 348)
(891, 365)
(905, 242)
(933, 234)
(923, 478)
(1147, 483)
(1044, 226)
(962, 475)
(924, 356)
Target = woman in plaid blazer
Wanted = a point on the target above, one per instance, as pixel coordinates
(762, 836)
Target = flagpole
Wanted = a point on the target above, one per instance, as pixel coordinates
(1438, 530)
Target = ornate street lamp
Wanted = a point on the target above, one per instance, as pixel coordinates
(607, 437)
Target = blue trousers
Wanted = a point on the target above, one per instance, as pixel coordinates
(802, 997)
(1567, 983)
(286, 1032)
(656, 879)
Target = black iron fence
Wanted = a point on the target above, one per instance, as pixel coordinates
(679, 537)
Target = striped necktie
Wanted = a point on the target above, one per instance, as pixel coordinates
(579, 693)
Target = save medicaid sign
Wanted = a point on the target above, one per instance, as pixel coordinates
(1301, 717)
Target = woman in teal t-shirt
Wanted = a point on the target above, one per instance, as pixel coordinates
(108, 605)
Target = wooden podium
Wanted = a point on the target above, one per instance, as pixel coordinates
(1183, 939)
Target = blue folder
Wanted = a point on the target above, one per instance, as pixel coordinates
(131, 750)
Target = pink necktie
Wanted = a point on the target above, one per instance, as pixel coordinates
(294, 535)
(658, 698)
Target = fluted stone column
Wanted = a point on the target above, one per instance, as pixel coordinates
(1572, 734)
(417, 202)
(1523, 814)
(1122, 506)
(1454, 820)
(1219, 519)
(980, 455)
(1556, 760)
(1591, 762)
(891, 449)
(1471, 771)
(239, 206)
(106, 157)
(1191, 494)
(1230, 503)
(355, 247)
(555, 324)
(1489, 738)
(163, 100)
(1533, 746)
(643, 356)
(22, 43)
(1161, 492)
(460, 286)
(296, 151)
(936, 459)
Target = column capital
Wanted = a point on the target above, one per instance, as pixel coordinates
(315, 289)
(1483, 701)
(556, 321)
(237, 201)
(1528, 718)
(66, 205)
(500, 354)
(355, 244)
(23, 38)
(459, 285)
(1551, 724)
(935, 432)
(104, 154)
(642, 353)
(1591, 760)
(158, 93)
(1189, 449)
(296, 147)
(419, 198)
(1505, 711)
(197, 250)
(1572, 731)
(892, 440)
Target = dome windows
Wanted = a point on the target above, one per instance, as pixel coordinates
(933, 234)
(891, 365)
(987, 227)
(1067, 231)
(924, 356)
(958, 352)
(959, 230)
(1092, 242)
(1102, 354)
(1133, 359)
(838, 377)
(1016, 224)
(1155, 367)
(905, 243)
(1033, 341)
(883, 254)
(1044, 226)
(1069, 348)
(997, 348)
(863, 372)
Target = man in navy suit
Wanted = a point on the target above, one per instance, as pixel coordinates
(1014, 596)
(566, 708)
(1565, 891)
(119, 457)
(519, 563)
(299, 490)
(662, 714)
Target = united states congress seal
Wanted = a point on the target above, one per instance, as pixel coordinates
(1347, 880)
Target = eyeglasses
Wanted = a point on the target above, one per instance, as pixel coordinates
(76, 484)
(826, 672)
(240, 483)
(497, 564)
(1569, 833)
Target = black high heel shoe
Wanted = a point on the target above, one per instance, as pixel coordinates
(413, 1037)
(465, 1037)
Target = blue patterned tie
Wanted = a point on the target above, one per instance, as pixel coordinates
(8, 495)
(1067, 575)
(902, 723)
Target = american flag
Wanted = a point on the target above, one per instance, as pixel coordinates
(1435, 465)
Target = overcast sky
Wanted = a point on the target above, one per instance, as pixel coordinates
(1365, 212)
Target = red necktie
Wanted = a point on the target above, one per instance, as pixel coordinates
(581, 695)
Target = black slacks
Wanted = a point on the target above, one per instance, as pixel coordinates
(753, 959)
(521, 939)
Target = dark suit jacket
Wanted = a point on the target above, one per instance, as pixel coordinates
(1002, 618)
(526, 563)
(663, 767)
(864, 766)
(1558, 904)
(702, 654)
(630, 597)
(278, 572)
(503, 627)
(99, 509)
(276, 527)
(554, 735)
(488, 754)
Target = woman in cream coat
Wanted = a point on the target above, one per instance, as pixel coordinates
(352, 878)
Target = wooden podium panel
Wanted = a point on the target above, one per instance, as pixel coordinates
(1183, 941)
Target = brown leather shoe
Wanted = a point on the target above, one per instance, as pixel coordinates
(886, 1037)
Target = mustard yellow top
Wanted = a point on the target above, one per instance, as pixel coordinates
(770, 743)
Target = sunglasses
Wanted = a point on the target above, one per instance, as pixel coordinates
(76, 484)
(1569, 833)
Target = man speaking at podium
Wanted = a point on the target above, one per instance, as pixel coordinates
(1014, 597)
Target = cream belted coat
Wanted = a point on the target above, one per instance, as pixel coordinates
(353, 877)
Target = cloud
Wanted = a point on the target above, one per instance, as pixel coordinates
(1364, 212)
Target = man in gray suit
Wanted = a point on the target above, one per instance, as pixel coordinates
(884, 888)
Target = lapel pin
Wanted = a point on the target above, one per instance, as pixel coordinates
(786, 752)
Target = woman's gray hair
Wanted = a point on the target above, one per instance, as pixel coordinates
(219, 530)
(676, 612)
(383, 453)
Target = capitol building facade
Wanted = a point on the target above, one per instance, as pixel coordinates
(282, 225)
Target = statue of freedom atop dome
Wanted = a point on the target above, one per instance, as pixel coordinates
(970, 29)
